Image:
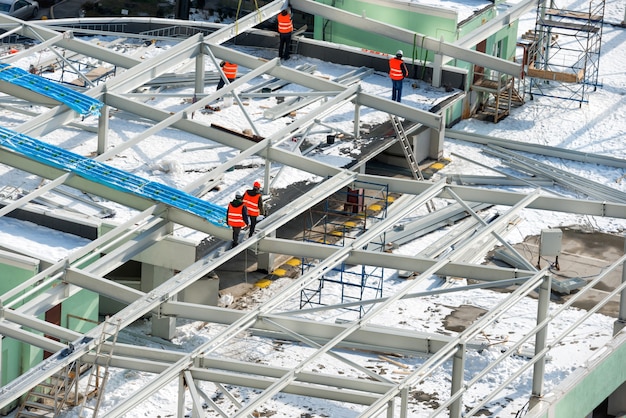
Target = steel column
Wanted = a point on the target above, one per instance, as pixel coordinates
(543, 308)
(458, 373)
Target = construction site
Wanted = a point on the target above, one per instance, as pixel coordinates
(153, 252)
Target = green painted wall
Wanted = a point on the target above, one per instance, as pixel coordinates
(596, 386)
(13, 351)
(11, 276)
(404, 16)
(10, 367)
(79, 313)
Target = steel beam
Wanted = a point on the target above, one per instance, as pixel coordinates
(37, 31)
(491, 27)
(499, 197)
(546, 150)
(407, 36)
(390, 260)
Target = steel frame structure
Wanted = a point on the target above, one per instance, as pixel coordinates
(154, 222)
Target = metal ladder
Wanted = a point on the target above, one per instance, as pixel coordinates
(48, 397)
(409, 154)
(100, 370)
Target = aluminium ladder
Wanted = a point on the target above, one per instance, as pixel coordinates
(409, 154)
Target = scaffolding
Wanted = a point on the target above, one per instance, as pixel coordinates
(563, 55)
(345, 216)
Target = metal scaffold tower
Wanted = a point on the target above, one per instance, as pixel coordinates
(563, 58)
(344, 217)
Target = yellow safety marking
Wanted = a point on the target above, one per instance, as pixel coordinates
(263, 283)
(336, 233)
(293, 262)
(391, 199)
(349, 224)
(437, 166)
(279, 272)
(375, 207)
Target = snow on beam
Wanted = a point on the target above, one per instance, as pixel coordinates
(407, 36)
(498, 197)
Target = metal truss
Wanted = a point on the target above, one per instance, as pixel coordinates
(154, 223)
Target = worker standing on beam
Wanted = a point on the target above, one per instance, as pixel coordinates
(397, 73)
(253, 200)
(229, 71)
(237, 217)
(285, 28)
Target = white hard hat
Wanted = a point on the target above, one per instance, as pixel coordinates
(399, 52)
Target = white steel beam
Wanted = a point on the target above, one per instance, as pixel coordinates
(491, 27)
(407, 36)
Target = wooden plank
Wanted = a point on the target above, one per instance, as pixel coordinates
(95, 74)
(554, 75)
(569, 25)
(573, 14)
(250, 137)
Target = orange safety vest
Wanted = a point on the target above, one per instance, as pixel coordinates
(284, 23)
(396, 70)
(252, 203)
(234, 217)
(230, 70)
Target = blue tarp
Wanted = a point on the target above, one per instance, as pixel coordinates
(81, 103)
(110, 176)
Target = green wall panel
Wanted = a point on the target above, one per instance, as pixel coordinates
(404, 17)
(596, 386)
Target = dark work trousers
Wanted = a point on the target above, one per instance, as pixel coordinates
(222, 83)
(252, 225)
(396, 90)
(284, 45)
(236, 231)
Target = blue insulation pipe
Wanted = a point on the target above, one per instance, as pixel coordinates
(110, 176)
(76, 101)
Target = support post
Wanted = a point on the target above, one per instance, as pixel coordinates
(390, 407)
(103, 127)
(357, 120)
(435, 151)
(404, 399)
(458, 369)
(265, 261)
(543, 306)
(199, 79)
(621, 318)
(181, 395)
(151, 277)
(437, 66)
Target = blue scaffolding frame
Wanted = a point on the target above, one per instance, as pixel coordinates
(345, 216)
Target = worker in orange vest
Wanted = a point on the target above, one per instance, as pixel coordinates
(253, 200)
(237, 217)
(230, 72)
(397, 73)
(285, 28)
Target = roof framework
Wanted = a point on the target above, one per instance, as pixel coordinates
(154, 223)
